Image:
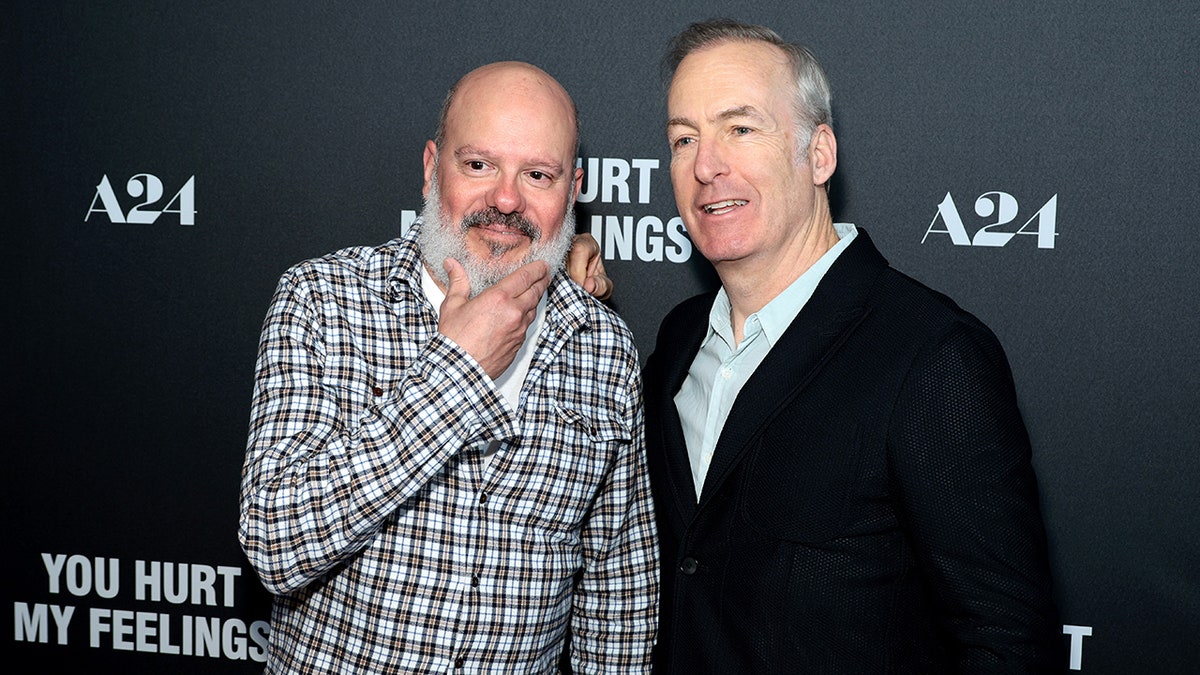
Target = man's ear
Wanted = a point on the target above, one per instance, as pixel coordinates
(578, 183)
(823, 154)
(430, 161)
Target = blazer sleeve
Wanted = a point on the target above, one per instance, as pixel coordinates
(960, 458)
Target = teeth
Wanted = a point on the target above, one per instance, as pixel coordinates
(722, 205)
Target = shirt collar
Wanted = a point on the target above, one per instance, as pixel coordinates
(775, 317)
(407, 265)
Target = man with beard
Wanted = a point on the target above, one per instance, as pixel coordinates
(445, 466)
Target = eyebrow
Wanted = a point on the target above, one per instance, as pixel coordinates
(725, 115)
(741, 111)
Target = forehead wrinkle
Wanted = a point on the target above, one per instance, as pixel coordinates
(737, 112)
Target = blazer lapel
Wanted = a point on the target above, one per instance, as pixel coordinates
(674, 352)
(839, 303)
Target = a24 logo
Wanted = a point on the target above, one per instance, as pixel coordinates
(149, 189)
(1004, 209)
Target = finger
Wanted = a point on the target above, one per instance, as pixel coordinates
(530, 275)
(459, 286)
(523, 287)
(595, 263)
(537, 288)
(579, 258)
(530, 286)
(600, 286)
(588, 243)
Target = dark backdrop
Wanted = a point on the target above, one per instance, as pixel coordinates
(257, 136)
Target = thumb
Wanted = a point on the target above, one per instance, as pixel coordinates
(458, 286)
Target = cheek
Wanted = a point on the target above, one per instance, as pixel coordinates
(458, 206)
(546, 223)
(546, 211)
(694, 231)
(681, 170)
(684, 186)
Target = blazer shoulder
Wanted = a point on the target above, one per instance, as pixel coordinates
(918, 304)
(900, 305)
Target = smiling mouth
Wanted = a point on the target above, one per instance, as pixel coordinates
(725, 206)
(500, 228)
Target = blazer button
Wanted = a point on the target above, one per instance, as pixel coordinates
(689, 566)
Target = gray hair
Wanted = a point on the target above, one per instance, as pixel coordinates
(812, 99)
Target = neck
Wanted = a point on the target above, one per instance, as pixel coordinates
(751, 283)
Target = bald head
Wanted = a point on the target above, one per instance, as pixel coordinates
(517, 77)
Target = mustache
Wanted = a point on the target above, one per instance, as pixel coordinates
(513, 221)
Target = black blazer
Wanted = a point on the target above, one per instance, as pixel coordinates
(870, 507)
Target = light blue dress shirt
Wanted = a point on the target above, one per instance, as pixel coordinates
(720, 370)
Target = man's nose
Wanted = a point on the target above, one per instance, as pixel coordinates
(710, 161)
(507, 195)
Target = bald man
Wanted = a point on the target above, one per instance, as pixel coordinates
(446, 463)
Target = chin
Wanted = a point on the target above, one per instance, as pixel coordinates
(720, 254)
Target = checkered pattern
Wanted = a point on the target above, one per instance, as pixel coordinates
(367, 509)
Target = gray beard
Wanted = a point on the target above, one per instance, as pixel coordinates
(438, 241)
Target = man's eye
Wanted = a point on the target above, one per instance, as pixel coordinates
(741, 131)
(538, 175)
(682, 141)
(476, 165)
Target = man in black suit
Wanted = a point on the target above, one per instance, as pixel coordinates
(842, 476)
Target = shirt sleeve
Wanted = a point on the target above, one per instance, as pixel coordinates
(962, 460)
(615, 613)
(317, 486)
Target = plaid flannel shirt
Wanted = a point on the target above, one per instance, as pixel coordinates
(367, 508)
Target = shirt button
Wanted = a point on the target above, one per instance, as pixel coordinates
(689, 566)
(483, 498)
(458, 663)
(726, 372)
(378, 391)
(475, 581)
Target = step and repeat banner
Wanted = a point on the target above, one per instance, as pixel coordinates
(163, 163)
